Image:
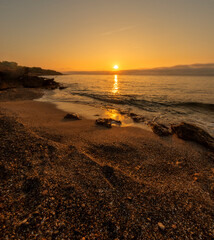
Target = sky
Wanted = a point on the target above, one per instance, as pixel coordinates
(98, 34)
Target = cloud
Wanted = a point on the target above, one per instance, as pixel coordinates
(123, 29)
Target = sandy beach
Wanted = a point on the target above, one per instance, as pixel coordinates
(65, 179)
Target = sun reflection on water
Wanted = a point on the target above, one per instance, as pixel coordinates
(115, 86)
(114, 114)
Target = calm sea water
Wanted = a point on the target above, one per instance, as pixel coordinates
(165, 99)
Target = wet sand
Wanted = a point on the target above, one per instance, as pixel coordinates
(75, 180)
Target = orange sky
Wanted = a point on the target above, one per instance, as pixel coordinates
(96, 35)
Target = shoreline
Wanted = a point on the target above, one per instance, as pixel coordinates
(76, 180)
(167, 110)
(90, 112)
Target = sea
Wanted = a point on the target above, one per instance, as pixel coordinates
(163, 99)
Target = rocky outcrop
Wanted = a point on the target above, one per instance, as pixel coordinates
(136, 118)
(12, 75)
(38, 82)
(107, 122)
(72, 116)
(11, 80)
(160, 129)
(32, 71)
(32, 82)
(191, 132)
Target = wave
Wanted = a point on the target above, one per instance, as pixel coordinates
(205, 106)
(120, 99)
(145, 104)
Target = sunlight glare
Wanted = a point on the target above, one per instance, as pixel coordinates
(114, 114)
(115, 67)
(115, 86)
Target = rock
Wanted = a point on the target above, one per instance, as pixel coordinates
(45, 192)
(13, 79)
(191, 132)
(9, 80)
(174, 226)
(160, 129)
(132, 114)
(107, 122)
(32, 82)
(124, 112)
(136, 118)
(72, 116)
(62, 87)
(104, 122)
(117, 122)
(161, 226)
(50, 83)
(38, 82)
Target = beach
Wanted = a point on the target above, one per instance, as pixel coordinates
(107, 120)
(65, 179)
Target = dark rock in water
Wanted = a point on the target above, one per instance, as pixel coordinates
(160, 129)
(62, 87)
(107, 122)
(72, 116)
(191, 132)
(124, 112)
(50, 83)
(133, 115)
(138, 119)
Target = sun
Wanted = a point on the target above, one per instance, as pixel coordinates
(115, 67)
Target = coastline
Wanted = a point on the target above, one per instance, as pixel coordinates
(115, 97)
(73, 179)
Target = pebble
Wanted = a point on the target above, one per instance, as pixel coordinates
(45, 192)
(174, 226)
(161, 226)
(72, 116)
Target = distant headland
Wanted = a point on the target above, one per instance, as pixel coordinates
(6, 66)
(12, 76)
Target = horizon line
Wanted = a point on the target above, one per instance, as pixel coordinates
(140, 69)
